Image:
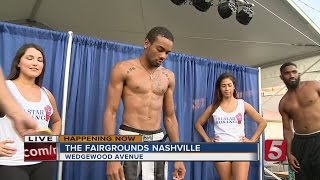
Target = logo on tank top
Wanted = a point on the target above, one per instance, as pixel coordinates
(48, 111)
(239, 118)
(38, 114)
(225, 120)
(41, 114)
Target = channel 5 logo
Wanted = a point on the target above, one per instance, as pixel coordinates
(275, 150)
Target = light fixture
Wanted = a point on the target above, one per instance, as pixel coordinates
(178, 2)
(201, 5)
(225, 9)
(245, 15)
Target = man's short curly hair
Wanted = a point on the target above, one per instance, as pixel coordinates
(159, 30)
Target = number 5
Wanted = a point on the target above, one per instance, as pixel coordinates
(275, 150)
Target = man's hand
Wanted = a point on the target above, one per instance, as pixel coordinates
(179, 171)
(293, 162)
(115, 171)
(6, 150)
(24, 123)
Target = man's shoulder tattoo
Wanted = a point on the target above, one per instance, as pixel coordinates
(165, 73)
(131, 69)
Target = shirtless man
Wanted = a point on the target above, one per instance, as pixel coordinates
(146, 89)
(23, 122)
(300, 111)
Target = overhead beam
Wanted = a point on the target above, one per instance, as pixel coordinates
(293, 58)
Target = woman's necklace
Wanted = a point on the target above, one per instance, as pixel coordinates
(150, 73)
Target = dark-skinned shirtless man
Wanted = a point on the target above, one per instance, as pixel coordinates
(300, 111)
(146, 89)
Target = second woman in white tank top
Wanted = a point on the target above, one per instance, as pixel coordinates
(228, 115)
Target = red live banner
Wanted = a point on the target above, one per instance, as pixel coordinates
(40, 151)
(275, 150)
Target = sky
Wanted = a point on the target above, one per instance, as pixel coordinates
(311, 8)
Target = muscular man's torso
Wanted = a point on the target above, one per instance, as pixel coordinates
(303, 107)
(143, 96)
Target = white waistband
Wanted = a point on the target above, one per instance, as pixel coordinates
(152, 137)
(307, 133)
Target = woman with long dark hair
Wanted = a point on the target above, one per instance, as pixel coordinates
(228, 113)
(25, 84)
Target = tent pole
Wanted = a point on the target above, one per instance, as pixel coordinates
(65, 96)
(261, 167)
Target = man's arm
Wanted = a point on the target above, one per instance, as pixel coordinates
(171, 125)
(22, 121)
(287, 128)
(113, 99)
(288, 136)
(114, 169)
(170, 119)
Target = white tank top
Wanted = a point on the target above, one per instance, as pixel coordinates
(40, 111)
(229, 127)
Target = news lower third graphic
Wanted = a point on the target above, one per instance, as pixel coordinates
(132, 148)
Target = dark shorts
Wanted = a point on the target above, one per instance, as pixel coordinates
(306, 148)
(41, 171)
(137, 170)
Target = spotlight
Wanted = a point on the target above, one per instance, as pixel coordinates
(245, 15)
(201, 5)
(178, 2)
(226, 9)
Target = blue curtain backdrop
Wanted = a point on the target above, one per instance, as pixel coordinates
(91, 62)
